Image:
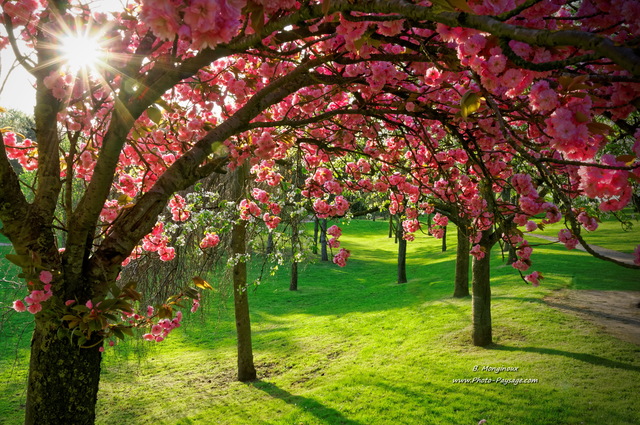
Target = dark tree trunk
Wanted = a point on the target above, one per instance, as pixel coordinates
(246, 369)
(444, 239)
(269, 243)
(293, 283)
(391, 224)
(482, 297)
(316, 225)
(324, 255)
(402, 254)
(512, 257)
(461, 285)
(635, 199)
(63, 381)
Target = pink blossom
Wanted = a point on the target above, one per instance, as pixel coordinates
(210, 240)
(531, 226)
(477, 252)
(341, 257)
(334, 231)
(69, 302)
(567, 238)
(271, 221)
(195, 305)
(19, 306)
(520, 265)
(45, 276)
(534, 278)
(149, 310)
(334, 243)
(34, 308)
(156, 330)
(260, 195)
(161, 16)
(149, 337)
(411, 226)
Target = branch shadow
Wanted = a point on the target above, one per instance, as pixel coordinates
(583, 357)
(324, 413)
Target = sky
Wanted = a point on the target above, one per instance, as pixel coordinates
(18, 92)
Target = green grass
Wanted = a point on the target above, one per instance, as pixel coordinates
(353, 347)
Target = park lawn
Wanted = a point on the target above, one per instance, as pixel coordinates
(353, 347)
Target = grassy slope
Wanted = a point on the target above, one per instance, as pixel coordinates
(352, 347)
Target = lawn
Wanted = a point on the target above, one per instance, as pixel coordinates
(353, 347)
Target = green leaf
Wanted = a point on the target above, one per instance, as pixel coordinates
(118, 333)
(127, 331)
(326, 6)
(19, 260)
(257, 19)
(154, 114)
(201, 283)
(469, 103)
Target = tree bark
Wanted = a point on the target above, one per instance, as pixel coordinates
(481, 314)
(63, 380)
(324, 256)
(461, 280)
(444, 239)
(246, 368)
(316, 225)
(402, 254)
(293, 283)
(269, 248)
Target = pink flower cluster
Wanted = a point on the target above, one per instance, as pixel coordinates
(204, 23)
(609, 186)
(568, 238)
(160, 330)
(33, 302)
(178, 206)
(59, 83)
(534, 278)
(478, 252)
(249, 209)
(335, 232)
(341, 257)
(156, 241)
(210, 240)
(23, 151)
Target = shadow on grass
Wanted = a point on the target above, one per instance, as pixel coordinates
(327, 414)
(583, 357)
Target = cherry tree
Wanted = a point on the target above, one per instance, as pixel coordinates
(452, 103)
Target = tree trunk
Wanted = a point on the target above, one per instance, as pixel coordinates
(482, 300)
(293, 283)
(269, 243)
(324, 256)
(316, 225)
(444, 239)
(461, 281)
(63, 381)
(402, 254)
(246, 369)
